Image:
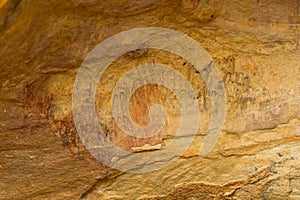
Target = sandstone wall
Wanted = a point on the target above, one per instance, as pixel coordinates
(254, 44)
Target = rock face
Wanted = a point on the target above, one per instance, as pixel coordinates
(253, 43)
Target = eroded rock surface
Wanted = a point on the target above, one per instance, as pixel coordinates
(255, 46)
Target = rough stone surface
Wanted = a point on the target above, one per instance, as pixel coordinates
(255, 46)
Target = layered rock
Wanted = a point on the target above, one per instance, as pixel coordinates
(255, 46)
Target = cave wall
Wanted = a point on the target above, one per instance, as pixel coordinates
(253, 43)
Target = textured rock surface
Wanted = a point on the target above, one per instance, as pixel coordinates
(255, 45)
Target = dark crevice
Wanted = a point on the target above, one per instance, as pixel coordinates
(12, 7)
